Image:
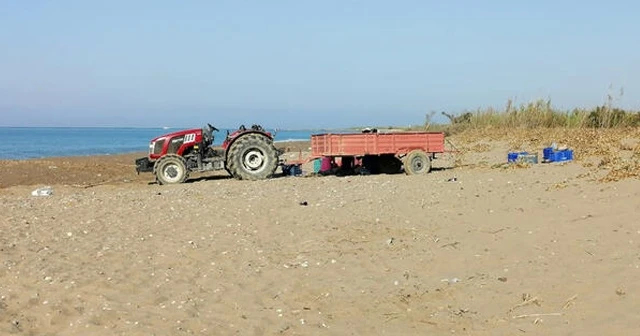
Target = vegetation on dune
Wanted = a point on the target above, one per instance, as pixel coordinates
(541, 114)
(610, 154)
(606, 134)
(537, 114)
(605, 138)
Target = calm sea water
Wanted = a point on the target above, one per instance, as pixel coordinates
(40, 142)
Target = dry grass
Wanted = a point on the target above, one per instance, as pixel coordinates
(604, 132)
(541, 114)
(585, 142)
(615, 148)
(619, 168)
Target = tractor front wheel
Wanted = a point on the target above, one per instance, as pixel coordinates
(416, 162)
(252, 157)
(171, 169)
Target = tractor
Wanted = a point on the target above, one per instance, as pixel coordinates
(246, 154)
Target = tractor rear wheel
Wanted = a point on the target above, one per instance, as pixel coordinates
(252, 157)
(171, 169)
(416, 162)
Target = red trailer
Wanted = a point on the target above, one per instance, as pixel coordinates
(381, 152)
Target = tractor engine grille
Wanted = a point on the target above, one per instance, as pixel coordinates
(157, 147)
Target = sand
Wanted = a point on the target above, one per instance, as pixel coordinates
(543, 250)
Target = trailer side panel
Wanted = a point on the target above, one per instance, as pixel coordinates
(359, 144)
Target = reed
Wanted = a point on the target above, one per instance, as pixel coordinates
(538, 114)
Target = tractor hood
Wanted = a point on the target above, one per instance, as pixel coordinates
(177, 134)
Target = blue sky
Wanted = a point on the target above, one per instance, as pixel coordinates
(301, 64)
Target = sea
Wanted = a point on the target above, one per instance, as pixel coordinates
(20, 143)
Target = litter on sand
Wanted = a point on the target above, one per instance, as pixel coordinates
(44, 191)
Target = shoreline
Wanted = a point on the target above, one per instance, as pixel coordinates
(287, 144)
(89, 170)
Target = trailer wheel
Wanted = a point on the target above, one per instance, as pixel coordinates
(252, 157)
(417, 162)
(389, 164)
(171, 169)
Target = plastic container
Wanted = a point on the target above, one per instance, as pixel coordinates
(513, 156)
(325, 163)
(44, 191)
(528, 158)
(295, 170)
(522, 156)
(551, 155)
(317, 165)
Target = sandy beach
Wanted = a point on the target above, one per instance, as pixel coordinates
(475, 247)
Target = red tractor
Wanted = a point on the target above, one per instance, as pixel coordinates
(246, 154)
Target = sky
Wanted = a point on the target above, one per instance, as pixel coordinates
(307, 64)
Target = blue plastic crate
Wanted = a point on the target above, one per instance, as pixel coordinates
(513, 156)
(292, 170)
(551, 155)
(296, 170)
(523, 157)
